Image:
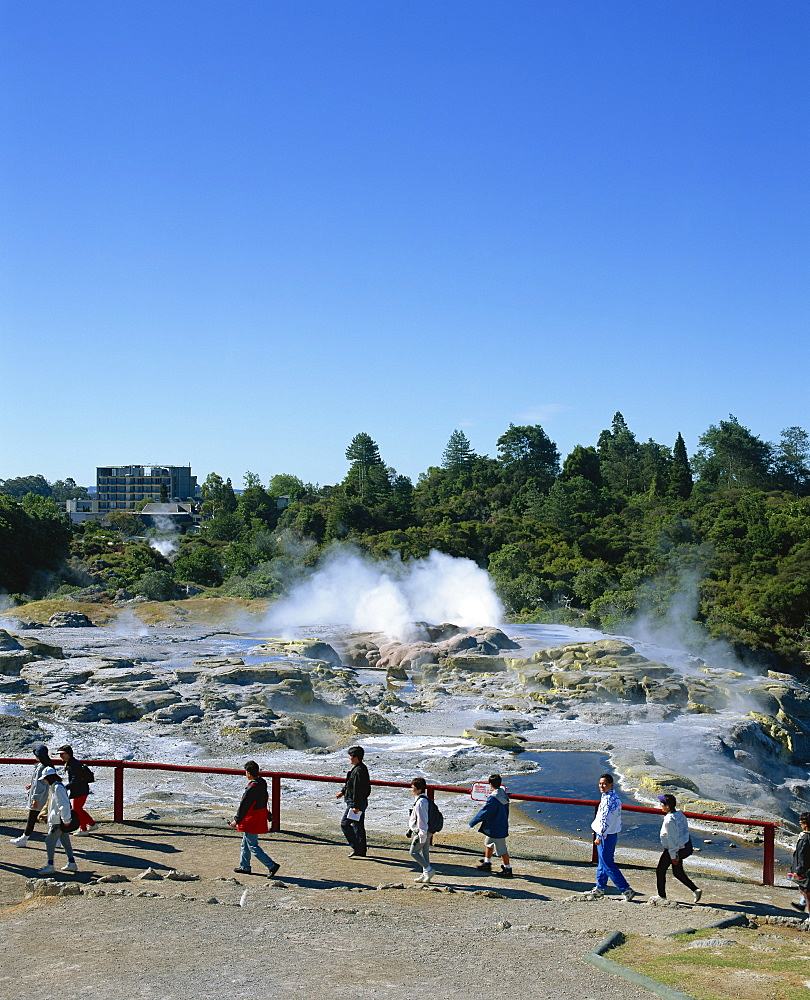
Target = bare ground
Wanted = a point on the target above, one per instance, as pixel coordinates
(322, 928)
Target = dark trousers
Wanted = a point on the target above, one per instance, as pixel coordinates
(665, 865)
(32, 821)
(354, 830)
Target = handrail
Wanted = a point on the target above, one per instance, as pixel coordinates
(119, 766)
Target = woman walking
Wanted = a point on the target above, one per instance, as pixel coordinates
(58, 813)
(251, 819)
(37, 794)
(79, 777)
(677, 845)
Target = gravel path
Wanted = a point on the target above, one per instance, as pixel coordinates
(323, 929)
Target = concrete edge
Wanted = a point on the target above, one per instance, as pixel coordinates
(596, 957)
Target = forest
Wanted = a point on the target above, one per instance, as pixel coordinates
(716, 544)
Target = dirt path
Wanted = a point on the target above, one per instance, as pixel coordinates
(323, 929)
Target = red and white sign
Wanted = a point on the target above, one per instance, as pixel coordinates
(480, 791)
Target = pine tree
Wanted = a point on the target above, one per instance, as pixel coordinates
(680, 474)
(458, 454)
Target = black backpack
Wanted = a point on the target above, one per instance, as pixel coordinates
(74, 823)
(435, 820)
(87, 774)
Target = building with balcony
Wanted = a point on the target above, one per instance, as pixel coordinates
(121, 487)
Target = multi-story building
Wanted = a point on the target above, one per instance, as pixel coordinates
(121, 487)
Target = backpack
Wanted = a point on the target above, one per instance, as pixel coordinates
(435, 820)
(87, 774)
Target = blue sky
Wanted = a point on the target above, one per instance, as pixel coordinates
(237, 233)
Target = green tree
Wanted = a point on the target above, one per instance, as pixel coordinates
(618, 452)
(731, 456)
(284, 485)
(526, 452)
(458, 455)
(20, 487)
(791, 460)
(156, 585)
(680, 473)
(121, 521)
(198, 563)
(218, 497)
(367, 473)
(583, 463)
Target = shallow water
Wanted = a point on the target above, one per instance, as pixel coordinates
(574, 775)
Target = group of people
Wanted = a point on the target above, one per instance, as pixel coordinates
(63, 805)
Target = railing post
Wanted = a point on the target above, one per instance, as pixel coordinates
(275, 803)
(767, 854)
(594, 851)
(118, 794)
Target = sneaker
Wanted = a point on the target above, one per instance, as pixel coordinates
(657, 899)
(242, 871)
(420, 878)
(81, 833)
(485, 866)
(357, 854)
(793, 903)
(272, 871)
(630, 894)
(71, 866)
(47, 870)
(595, 893)
(698, 894)
(20, 841)
(428, 875)
(505, 872)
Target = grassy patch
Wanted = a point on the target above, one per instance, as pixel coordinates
(769, 963)
(41, 611)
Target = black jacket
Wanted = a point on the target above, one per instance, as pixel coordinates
(801, 856)
(76, 784)
(358, 786)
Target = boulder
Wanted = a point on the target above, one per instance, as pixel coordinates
(9, 641)
(371, 723)
(69, 619)
(477, 664)
(12, 661)
(42, 650)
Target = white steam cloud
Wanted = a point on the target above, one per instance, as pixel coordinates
(166, 537)
(351, 590)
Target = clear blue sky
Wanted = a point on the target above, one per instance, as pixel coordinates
(237, 233)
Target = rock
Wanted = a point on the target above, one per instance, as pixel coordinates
(176, 876)
(488, 894)
(505, 742)
(477, 664)
(371, 723)
(19, 735)
(69, 619)
(42, 649)
(390, 885)
(114, 877)
(291, 733)
(12, 661)
(36, 887)
(150, 875)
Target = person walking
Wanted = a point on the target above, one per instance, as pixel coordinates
(79, 777)
(677, 845)
(251, 819)
(494, 819)
(59, 812)
(606, 827)
(419, 831)
(800, 868)
(37, 794)
(355, 793)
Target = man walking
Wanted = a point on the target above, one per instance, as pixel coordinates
(606, 827)
(355, 793)
(494, 819)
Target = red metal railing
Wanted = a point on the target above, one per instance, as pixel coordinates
(119, 766)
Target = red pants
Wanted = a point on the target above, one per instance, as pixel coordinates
(85, 819)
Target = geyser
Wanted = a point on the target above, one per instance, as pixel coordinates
(351, 590)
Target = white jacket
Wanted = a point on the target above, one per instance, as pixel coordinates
(674, 832)
(58, 805)
(419, 818)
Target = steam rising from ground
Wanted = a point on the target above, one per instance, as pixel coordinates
(351, 590)
(165, 537)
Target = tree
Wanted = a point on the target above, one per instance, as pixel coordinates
(584, 463)
(164, 493)
(618, 452)
(791, 460)
(126, 524)
(527, 452)
(217, 496)
(285, 485)
(364, 455)
(19, 487)
(731, 456)
(680, 474)
(251, 479)
(458, 455)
